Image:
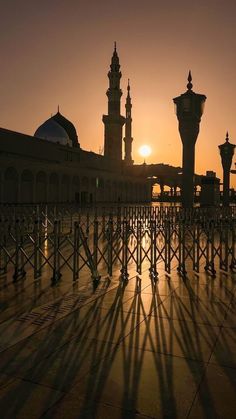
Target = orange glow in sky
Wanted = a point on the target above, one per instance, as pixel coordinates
(145, 150)
(58, 52)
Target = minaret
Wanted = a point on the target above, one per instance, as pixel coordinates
(128, 130)
(114, 121)
(226, 152)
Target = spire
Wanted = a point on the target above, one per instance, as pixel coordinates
(128, 89)
(114, 121)
(58, 108)
(128, 104)
(227, 137)
(189, 85)
(128, 129)
(128, 98)
(115, 64)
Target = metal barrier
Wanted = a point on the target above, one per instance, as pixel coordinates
(122, 238)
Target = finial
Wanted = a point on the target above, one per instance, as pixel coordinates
(227, 137)
(189, 85)
(115, 46)
(128, 87)
(58, 108)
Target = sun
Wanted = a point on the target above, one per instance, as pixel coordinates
(145, 150)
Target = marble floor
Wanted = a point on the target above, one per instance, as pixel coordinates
(119, 350)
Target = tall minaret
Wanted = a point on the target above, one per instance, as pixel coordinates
(114, 121)
(128, 129)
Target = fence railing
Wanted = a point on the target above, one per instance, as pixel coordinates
(126, 238)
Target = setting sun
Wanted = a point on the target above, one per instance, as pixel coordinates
(145, 150)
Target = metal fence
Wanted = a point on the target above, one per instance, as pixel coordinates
(67, 240)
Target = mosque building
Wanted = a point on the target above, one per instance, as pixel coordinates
(52, 167)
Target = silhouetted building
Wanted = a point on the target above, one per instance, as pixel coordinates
(51, 167)
(210, 190)
(226, 153)
(114, 121)
(128, 129)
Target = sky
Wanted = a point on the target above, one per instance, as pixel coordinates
(58, 52)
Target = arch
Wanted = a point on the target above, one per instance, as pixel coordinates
(65, 188)
(76, 189)
(11, 185)
(132, 194)
(93, 182)
(27, 186)
(85, 190)
(114, 191)
(53, 188)
(85, 182)
(107, 191)
(137, 192)
(101, 185)
(126, 192)
(41, 187)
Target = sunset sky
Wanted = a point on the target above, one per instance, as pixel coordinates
(58, 52)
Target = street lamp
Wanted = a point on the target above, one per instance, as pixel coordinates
(226, 153)
(189, 109)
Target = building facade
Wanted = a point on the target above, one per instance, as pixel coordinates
(51, 166)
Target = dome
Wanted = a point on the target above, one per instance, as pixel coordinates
(50, 130)
(68, 127)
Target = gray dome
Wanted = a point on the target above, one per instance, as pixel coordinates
(50, 130)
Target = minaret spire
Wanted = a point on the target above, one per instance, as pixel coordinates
(114, 121)
(189, 85)
(128, 129)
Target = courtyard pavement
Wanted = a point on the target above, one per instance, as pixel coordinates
(119, 350)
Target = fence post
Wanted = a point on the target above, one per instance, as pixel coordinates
(76, 252)
(36, 248)
(167, 245)
(56, 275)
(224, 246)
(87, 223)
(94, 273)
(196, 247)
(110, 245)
(210, 249)
(3, 244)
(153, 267)
(95, 244)
(19, 271)
(124, 269)
(233, 244)
(182, 257)
(139, 248)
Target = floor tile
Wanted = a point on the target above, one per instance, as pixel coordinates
(141, 382)
(216, 398)
(194, 309)
(179, 338)
(75, 408)
(26, 400)
(66, 366)
(224, 352)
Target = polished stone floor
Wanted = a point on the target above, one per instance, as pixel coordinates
(121, 350)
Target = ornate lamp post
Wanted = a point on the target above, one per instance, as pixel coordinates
(189, 109)
(226, 153)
